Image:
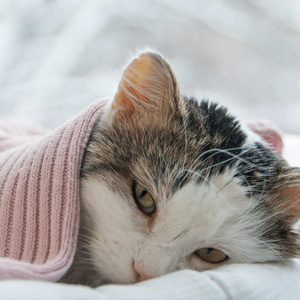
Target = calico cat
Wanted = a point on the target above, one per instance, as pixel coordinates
(169, 182)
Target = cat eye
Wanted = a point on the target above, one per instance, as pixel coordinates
(211, 255)
(143, 199)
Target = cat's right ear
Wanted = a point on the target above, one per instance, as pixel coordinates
(147, 92)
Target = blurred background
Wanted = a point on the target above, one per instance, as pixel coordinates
(58, 56)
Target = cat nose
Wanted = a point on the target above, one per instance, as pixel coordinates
(140, 274)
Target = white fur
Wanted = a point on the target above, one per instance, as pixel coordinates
(215, 215)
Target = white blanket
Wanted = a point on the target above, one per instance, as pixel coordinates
(242, 282)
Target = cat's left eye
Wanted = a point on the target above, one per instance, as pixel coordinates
(143, 199)
(211, 255)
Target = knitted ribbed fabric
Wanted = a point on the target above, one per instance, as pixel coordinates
(39, 200)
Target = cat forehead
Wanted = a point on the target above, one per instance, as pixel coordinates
(199, 142)
(193, 135)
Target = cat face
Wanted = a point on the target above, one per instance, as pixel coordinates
(170, 182)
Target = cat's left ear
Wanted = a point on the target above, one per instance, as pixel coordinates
(148, 91)
(269, 133)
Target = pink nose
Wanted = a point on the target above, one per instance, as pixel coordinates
(140, 274)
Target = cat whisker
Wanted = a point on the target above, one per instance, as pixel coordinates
(214, 152)
(224, 186)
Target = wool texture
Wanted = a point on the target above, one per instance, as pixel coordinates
(39, 197)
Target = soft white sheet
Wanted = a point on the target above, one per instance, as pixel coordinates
(243, 282)
(240, 281)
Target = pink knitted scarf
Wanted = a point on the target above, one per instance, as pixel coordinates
(39, 199)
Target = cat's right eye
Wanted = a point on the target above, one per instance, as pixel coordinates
(143, 199)
(211, 255)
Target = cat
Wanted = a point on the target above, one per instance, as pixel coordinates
(170, 182)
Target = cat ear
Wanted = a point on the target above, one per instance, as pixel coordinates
(147, 90)
(269, 133)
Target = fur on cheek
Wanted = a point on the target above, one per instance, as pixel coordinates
(112, 232)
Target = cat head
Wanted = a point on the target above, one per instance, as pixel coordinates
(171, 182)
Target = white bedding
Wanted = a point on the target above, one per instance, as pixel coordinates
(239, 281)
(260, 281)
